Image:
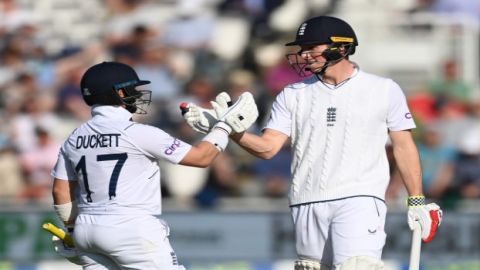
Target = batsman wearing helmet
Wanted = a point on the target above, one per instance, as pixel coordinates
(107, 180)
(339, 120)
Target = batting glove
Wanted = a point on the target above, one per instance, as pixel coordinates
(202, 120)
(84, 259)
(429, 216)
(70, 253)
(240, 116)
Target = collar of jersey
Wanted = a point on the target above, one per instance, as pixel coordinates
(113, 112)
(330, 86)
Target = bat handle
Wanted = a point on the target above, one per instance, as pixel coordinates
(416, 247)
(66, 238)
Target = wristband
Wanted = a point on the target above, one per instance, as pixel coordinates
(223, 126)
(413, 201)
(66, 212)
(218, 137)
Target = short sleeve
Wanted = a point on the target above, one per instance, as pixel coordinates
(280, 117)
(158, 143)
(63, 168)
(399, 115)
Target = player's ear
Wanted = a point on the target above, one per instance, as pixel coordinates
(121, 93)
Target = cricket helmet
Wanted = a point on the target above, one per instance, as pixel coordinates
(100, 85)
(336, 33)
(324, 30)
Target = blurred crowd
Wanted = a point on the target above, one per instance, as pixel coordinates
(447, 114)
(192, 51)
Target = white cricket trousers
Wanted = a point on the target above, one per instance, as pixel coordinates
(333, 231)
(129, 242)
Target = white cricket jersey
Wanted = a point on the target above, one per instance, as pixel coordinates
(114, 161)
(338, 135)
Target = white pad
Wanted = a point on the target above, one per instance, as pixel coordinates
(241, 115)
(306, 264)
(361, 263)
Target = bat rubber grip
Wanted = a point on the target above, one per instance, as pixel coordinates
(65, 237)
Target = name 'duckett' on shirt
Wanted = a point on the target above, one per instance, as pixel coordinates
(97, 141)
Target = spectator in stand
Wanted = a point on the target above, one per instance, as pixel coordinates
(155, 63)
(469, 9)
(13, 18)
(37, 164)
(70, 100)
(37, 111)
(422, 6)
(11, 181)
(450, 85)
(473, 117)
(275, 173)
(124, 16)
(437, 162)
(467, 173)
(258, 12)
(450, 120)
(195, 21)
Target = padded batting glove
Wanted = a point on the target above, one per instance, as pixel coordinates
(70, 253)
(240, 116)
(429, 216)
(202, 120)
(84, 259)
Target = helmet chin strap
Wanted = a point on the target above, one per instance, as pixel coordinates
(332, 59)
(135, 101)
(130, 108)
(321, 72)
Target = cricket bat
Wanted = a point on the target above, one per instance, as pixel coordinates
(416, 248)
(65, 237)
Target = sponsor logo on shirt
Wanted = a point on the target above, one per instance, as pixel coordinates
(408, 115)
(174, 146)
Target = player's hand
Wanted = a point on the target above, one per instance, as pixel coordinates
(428, 215)
(202, 120)
(240, 116)
(70, 253)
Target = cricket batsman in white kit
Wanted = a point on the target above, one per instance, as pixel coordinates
(107, 180)
(339, 119)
